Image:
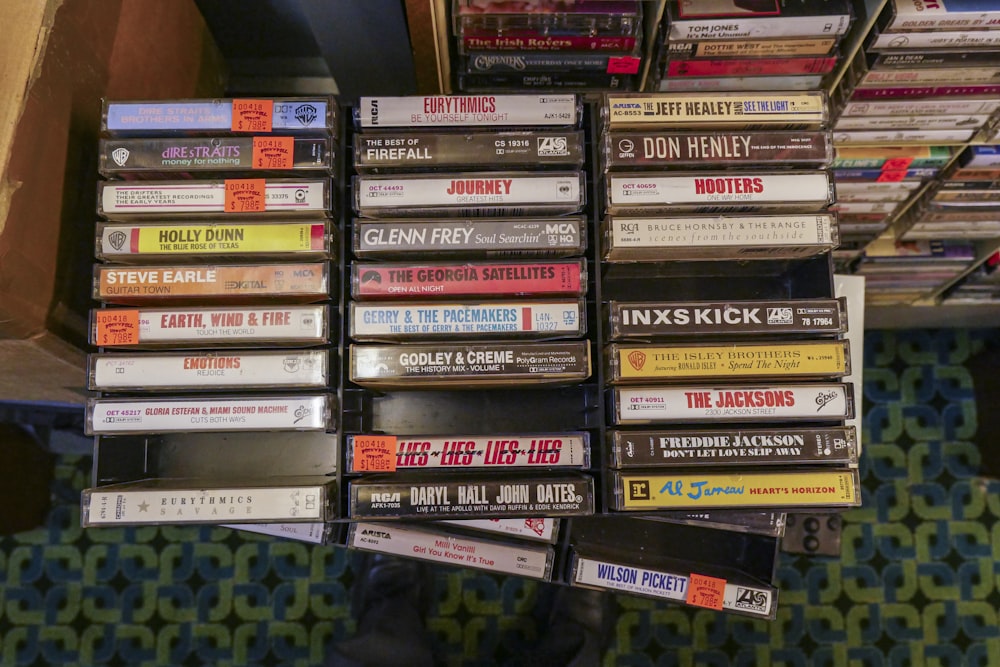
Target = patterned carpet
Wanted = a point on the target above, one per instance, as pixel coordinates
(918, 582)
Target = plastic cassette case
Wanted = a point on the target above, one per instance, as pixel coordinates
(735, 20)
(472, 238)
(183, 157)
(490, 111)
(716, 110)
(211, 282)
(173, 371)
(420, 151)
(117, 242)
(480, 194)
(469, 365)
(305, 412)
(154, 501)
(450, 280)
(299, 115)
(180, 328)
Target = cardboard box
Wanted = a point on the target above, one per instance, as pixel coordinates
(58, 59)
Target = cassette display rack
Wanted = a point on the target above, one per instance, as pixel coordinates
(550, 45)
(468, 392)
(915, 105)
(214, 357)
(749, 46)
(716, 279)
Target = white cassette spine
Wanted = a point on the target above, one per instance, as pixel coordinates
(452, 111)
(441, 547)
(921, 107)
(314, 533)
(759, 28)
(113, 416)
(749, 231)
(165, 371)
(715, 188)
(400, 320)
(947, 122)
(663, 585)
(206, 197)
(530, 529)
(244, 324)
(694, 403)
(139, 506)
(903, 136)
(499, 191)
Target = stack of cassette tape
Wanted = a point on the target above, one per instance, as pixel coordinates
(754, 45)
(725, 349)
(467, 398)
(213, 333)
(554, 45)
(874, 185)
(980, 288)
(925, 81)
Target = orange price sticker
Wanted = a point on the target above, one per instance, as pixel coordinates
(374, 453)
(273, 152)
(117, 327)
(706, 591)
(897, 164)
(252, 115)
(245, 195)
(623, 65)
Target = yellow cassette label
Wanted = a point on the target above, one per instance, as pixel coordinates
(177, 239)
(698, 109)
(641, 362)
(778, 489)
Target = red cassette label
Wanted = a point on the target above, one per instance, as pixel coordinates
(399, 280)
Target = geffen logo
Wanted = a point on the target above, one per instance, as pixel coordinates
(120, 156)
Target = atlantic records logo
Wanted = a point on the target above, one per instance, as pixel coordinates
(748, 598)
(120, 156)
(779, 315)
(117, 239)
(306, 114)
(637, 358)
(552, 147)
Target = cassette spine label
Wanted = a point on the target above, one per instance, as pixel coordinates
(806, 110)
(287, 114)
(417, 150)
(799, 488)
(488, 238)
(437, 545)
(122, 156)
(468, 193)
(810, 401)
(116, 506)
(784, 446)
(803, 189)
(542, 529)
(420, 281)
(651, 319)
(154, 371)
(133, 198)
(751, 600)
(135, 415)
(482, 452)
(468, 111)
(666, 150)
(467, 365)
(118, 241)
(566, 496)
(799, 359)
(551, 319)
